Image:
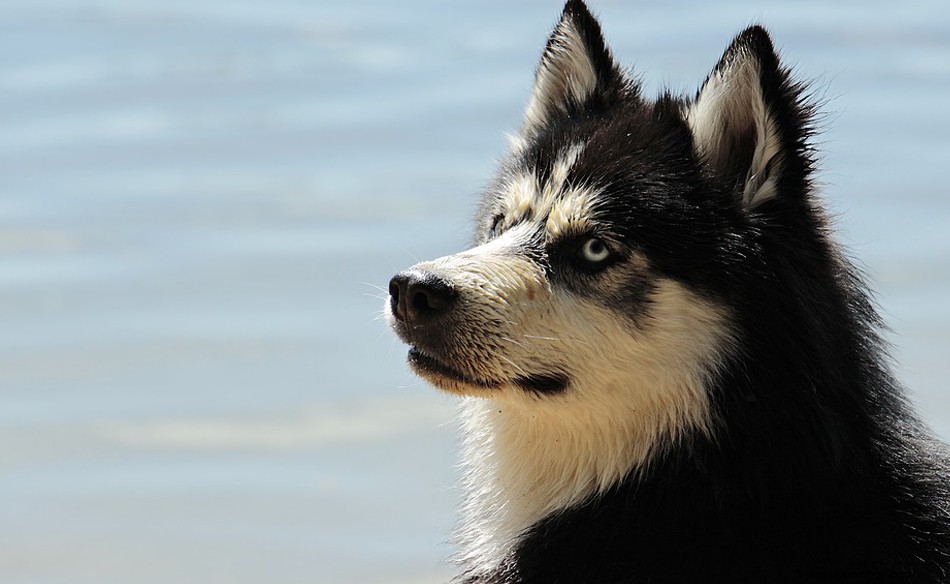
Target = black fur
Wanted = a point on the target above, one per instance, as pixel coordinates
(817, 469)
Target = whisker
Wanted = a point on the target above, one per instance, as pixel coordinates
(515, 365)
(510, 340)
(392, 347)
(556, 339)
(415, 257)
(376, 296)
(380, 288)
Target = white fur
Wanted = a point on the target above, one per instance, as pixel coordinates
(571, 213)
(729, 104)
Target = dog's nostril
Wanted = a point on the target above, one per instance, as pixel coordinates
(420, 301)
(394, 292)
(431, 294)
(397, 294)
(414, 295)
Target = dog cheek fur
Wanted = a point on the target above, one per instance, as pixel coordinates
(635, 389)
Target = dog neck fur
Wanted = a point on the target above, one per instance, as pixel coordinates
(528, 456)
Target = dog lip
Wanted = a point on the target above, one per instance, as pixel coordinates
(430, 364)
(546, 384)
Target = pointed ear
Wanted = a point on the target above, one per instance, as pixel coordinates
(576, 67)
(749, 123)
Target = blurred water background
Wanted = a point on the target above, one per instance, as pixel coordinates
(201, 201)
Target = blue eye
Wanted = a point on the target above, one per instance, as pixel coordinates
(594, 250)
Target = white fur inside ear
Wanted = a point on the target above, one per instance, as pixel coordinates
(567, 74)
(730, 108)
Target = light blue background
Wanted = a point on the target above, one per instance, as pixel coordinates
(200, 203)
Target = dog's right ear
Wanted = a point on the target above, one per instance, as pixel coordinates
(576, 69)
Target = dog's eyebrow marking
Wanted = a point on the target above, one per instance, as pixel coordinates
(571, 213)
(520, 199)
(525, 198)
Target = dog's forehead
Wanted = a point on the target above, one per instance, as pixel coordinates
(567, 176)
(549, 194)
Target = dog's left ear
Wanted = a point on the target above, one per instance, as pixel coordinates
(749, 123)
(576, 69)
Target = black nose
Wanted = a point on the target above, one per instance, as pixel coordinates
(416, 295)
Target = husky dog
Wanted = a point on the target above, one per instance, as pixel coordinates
(670, 372)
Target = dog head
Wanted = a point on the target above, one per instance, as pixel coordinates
(609, 244)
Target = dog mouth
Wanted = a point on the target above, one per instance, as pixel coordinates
(430, 367)
(439, 373)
